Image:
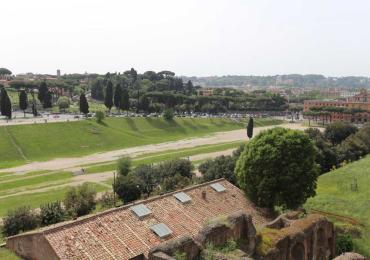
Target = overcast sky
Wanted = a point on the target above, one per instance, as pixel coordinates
(189, 37)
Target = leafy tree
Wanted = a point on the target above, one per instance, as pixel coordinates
(23, 101)
(51, 213)
(80, 200)
(125, 101)
(174, 183)
(6, 104)
(99, 115)
(168, 114)
(97, 90)
(221, 167)
(146, 178)
(84, 105)
(63, 103)
(108, 99)
(277, 168)
(118, 96)
(19, 220)
(250, 128)
(338, 131)
(107, 200)
(124, 166)
(343, 244)
(4, 71)
(170, 168)
(43, 90)
(127, 188)
(48, 99)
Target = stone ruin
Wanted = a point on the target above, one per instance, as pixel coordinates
(290, 239)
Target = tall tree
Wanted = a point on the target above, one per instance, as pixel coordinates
(125, 100)
(23, 101)
(108, 99)
(84, 105)
(118, 96)
(250, 128)
(6, 104)
(43, 90)
(48, 100)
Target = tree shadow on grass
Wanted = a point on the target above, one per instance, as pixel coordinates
(166, 124)
(131, 123)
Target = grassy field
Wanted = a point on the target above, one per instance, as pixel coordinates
(7, 255)
(47, 141)
(335, 195)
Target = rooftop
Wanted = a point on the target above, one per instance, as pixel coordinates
(121, 234)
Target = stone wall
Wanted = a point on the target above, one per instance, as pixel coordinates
(31, 247)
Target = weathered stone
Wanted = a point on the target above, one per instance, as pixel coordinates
(183, 244)
(350, 256)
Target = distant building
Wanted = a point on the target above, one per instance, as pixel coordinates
(206, 92)
(354, 109)
(58, 73)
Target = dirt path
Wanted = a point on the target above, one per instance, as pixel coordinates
(70, 163)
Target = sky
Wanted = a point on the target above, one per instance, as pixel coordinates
(189, 37)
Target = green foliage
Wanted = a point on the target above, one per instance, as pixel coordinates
(97, 89)
(355, 146)
(250, 128)
(118, 96)
(84, 105)
(125, 100)
(43, 90)
(5, 104)
(127, 188)
(80, 200)
(108, 99)
(23, 101)
(63, 103)
(124, 166)
(99, 115)
(178, 255)
(220, 167)
(146, 176)
(5, 71)
(19, 220)
(48, 99)
(168, 114)
(343, 243)
(51, 213)
(338, 131)
(107, 200)
(277, 168)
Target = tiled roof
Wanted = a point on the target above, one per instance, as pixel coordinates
(120, 234)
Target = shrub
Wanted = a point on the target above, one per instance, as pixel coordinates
(99, 115)
(20, 220)
(338, 131)
(168, 114)
(63, 103)
(80, 200)
(51, 213)
(124, 166)
(127, 188)
(107, 200)
(221, 167)
(344, 243)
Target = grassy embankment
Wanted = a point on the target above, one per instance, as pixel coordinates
(335, 196)
(47, 141)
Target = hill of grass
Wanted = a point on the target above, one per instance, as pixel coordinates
(39, 142)
(337, 194)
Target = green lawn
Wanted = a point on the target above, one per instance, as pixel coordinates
(334, 195)
(68, 139)
(5, 254)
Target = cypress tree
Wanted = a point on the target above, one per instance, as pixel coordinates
(6, 104)
(48, 100)
(43, 90)
(23, 101)
(250, 128)
(84, 105)
(118, 96)
(125, 100)
(108, 99)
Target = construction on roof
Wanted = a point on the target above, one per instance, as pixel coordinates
(132, 230)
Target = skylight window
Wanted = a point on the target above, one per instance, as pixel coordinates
(182, 197)
(218, 187)
(140, 210)
(161, 230)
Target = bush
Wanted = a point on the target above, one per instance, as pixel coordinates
(107, 200)
(168, 114)
(63, 103)
(51, 213)
(20, 220)
(124, 166)
(338, 131)
(220, 167)
(99, 115)
(344, 243)
(80, 200)
(127, 188)
(277, 168)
